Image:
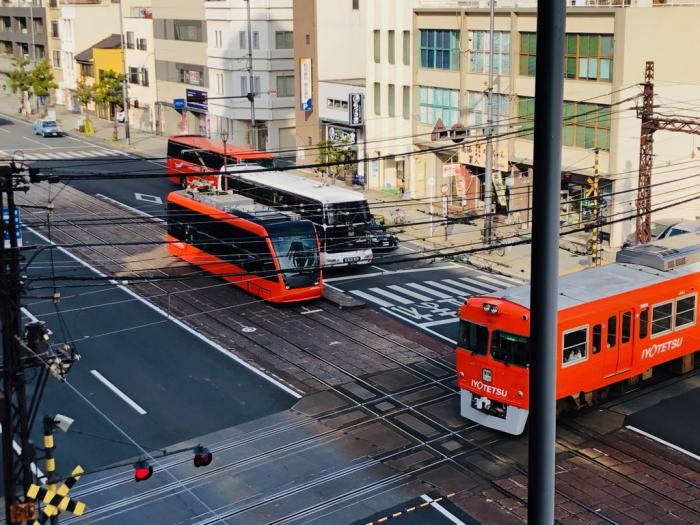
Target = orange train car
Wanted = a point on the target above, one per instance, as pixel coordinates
(615, 322)
(272, 255)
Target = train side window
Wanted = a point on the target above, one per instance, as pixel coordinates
(612, 331)
(626, 330)
(643, 323)
(685, 311)
(597, 336)
(661, 318)
(575, 346)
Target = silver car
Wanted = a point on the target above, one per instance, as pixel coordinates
(47, 128)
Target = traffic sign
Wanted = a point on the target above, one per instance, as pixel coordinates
(179, 104)
(196, 99)
(445, 189)
(6, 234)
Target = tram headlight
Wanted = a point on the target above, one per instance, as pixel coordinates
(494, 309)
(287, 287)
(520, 393)
(487, 307)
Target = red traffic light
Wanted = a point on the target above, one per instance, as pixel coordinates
(142, 471)
(202, 457)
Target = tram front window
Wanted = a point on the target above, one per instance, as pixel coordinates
(473, 337)
(510, 348)
(295, 247)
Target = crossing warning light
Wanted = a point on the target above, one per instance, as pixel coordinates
(142, 470)
(202, 457)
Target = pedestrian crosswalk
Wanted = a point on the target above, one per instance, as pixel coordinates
(67, 154)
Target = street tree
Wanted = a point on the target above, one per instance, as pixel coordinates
(42, 81)
(337, 153)
(85, 93)
(21, 81)
(108, 91)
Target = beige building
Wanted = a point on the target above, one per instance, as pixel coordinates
(53, 37)
(606, 50)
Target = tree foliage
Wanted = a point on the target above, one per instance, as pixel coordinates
(20, 76)
(42, 79)
(339, 153)
(84, 92)
(109, 89)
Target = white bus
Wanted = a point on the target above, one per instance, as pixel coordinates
(341, 215)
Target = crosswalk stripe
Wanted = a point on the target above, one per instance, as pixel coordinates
(392, 296)
(410, 293)
(473, 290)
(481, 285)
(64, 155)
(500, 280)
(427, 290)
(120, 152)
(38, 156)
(450, 289)
(79, 154)
(372, 298)
(91, 153)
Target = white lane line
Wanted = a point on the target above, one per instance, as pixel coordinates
(397, 272)
(441, 321)
(419, 326)
(380, 269)
(179, 323)
(410, 293)
(473, 290)
(392, 296)
(118, 392)
(427, 290)
(38, 156)
(371, 298)
(43, 146)
(307, 312)
(442, 510)
(663, 442)
(500, 280)
(126, 206)
(451, 289)
(4, 130)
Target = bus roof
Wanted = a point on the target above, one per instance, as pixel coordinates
(216, 146)
(302, 186)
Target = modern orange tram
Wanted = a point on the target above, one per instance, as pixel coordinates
(272, 255)
(615, 322)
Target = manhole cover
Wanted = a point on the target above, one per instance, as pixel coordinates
(249, 329)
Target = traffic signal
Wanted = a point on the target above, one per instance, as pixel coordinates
(202, 457)
(142, 470)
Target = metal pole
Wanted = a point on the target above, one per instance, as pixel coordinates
(549, 89)
(251, 85)
(488, 175)
(125, 83)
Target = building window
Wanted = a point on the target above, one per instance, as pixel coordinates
(133, 75)
(528, 49)
(377, 46)
(285, 86)
(589, 57)
(189, 76)
(438, 103)
(355, 5)
(479, 47)
(439, 49)
(575, 346)
(188, 30)
(130, 40)
(377, 99)
(256, 40)
(661, 318)
(54, 29)
(244, 85)
(392, 100)
(218, 39)
(685, 311)
(391, 47)
(477, 110)
(406, 48)
(141, 44)
(144, 76)
(87, 70)
(585, 125)
(284, 40)
(242, 39)
(407, 102)
(219, 83)
(56, 58)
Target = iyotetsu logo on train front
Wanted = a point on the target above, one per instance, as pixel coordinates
(488, 389)
(661, 348)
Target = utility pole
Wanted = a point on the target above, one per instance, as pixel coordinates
(593, 195)
(488, 175)
(549, 101)
(251, 83)
(125, 81)
(17, 474)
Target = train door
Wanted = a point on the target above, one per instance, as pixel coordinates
(618, 348)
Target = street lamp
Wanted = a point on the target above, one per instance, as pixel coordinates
(224, 138)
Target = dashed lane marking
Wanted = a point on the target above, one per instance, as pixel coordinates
(118, 392)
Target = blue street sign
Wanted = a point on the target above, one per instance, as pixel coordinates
(196, 99)
(179, 103)
(6, 234)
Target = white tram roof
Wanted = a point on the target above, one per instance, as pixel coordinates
(636, 267)
(297, 184)
(239, 205)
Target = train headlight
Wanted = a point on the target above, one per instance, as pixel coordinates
(461, 375)
(487, 307)
(490, 308)
(486, 375)
(494, 309)
(287, 287)
(520, 393)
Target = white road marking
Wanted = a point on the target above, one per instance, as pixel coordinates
(307, 312)
(442, 510)
(500, 282)
(181, 324)
(118, 392)
(44, 146)
(383, 270)
(427, 290)
(663, 442)
(62, 155)
(397, 272)
(441, 321)
(372, 298)
(148, 198)
(419, 326)
(473, 290)
(390, 295)
(483, 286)
(410, 293)
(445, 287)
(126, 206)
(4, 130)
(33, 318)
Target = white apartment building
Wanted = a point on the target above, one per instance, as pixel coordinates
(273, 84)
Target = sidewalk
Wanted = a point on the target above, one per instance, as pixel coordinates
(461, 237)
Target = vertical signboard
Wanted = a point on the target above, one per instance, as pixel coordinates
(6, 234)
(357, 109)
(306, 85)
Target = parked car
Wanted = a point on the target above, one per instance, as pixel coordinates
(380, 238)
(662, 228)
(47, 128)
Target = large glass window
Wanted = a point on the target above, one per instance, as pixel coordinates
(473, 337)
(477, 109)
(586, 56)
(661, 318)
(510, 348)
(439, 49)
(438, 103)
(284, 40)
(479, 45)
(575, 346)
(528, 49)
(685, 311)
(295, 246)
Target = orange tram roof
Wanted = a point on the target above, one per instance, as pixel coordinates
(216, 146)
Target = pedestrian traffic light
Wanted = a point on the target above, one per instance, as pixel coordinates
(142, 470)
(202, 457)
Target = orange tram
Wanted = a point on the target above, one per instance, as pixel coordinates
(616, 323)
(272, 255)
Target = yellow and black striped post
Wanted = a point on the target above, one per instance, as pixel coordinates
(50, 460)
(58, 500)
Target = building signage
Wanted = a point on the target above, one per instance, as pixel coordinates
(451, 170)
(338, 134)
(6, 234)
(306, 85)
(179, 104)
(196, 99)
(357, 109)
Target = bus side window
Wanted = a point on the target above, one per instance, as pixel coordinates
(612, 331)
(643, 323)
(597, 335)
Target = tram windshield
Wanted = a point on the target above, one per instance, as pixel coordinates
(473, 337)
(295, 246)
(510, 348)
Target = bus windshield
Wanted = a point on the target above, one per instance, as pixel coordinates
(473, 337)
(510, 348)
(295, 246)
(347, 213)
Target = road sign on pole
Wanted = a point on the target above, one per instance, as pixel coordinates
(6, 234)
